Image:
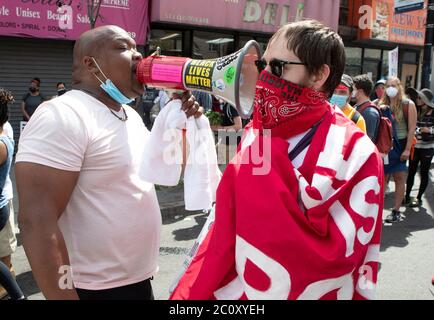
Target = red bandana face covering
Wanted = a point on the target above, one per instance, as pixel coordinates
(286, 108)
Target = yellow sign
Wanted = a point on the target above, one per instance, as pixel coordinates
(199, 74)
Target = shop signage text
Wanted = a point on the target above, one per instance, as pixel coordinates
(45, 19)
(386, 25)
(254, 15)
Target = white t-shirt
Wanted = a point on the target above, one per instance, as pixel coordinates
(163, 98)
(112, 222)
(293, 141)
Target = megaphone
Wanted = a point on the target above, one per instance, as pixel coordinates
(232, 77)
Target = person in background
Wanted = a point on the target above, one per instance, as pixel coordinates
(204, 99)
(362, 89)
(378, 91)
(231, 120)
(160, 103)
(413, 94)
(32, 99)
(146, 103)
(216, 104)
(7, 281)
(8, 240)
(61, 89)
(163, 98)
(341, 97)
(424, 148)
(228, 132)
(402, 113)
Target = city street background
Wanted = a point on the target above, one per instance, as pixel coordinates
(407, 259)
(381, 38)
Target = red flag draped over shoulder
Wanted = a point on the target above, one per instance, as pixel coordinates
(287, 233)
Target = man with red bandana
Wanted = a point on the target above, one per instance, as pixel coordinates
(298, 210)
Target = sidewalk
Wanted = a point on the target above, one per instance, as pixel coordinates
(171, 200)
(406, 259)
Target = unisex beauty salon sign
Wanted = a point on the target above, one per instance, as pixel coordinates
(45, 19)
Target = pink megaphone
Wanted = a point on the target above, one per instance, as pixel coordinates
(232, 77)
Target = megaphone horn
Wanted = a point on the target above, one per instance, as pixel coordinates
(232, 77)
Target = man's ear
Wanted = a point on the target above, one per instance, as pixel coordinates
(90, 64)
(320, 78)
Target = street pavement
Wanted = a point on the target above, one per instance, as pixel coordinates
(407, 248)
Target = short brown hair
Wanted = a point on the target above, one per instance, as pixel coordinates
(363, 82)
(316, 45)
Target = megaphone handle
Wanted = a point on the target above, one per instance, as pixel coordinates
(157, 52)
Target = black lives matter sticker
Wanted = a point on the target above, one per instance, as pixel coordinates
(198, 74)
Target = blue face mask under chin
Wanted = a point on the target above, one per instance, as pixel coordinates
(339, 100)
(110, 88)
(114, 92)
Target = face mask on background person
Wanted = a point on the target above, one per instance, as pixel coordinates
(110, 88)
(33, 89)
(61, 91)
(392, 92)
(339, 100)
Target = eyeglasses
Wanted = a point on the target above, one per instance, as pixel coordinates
(276, 65)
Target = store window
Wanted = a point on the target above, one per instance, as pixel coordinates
(409, 67)
(371, 63)
(373, 54)
(353, 60)
(370, 67)
(170, 42)
(343, 12)
(385, 65)
(262, 41)
(409, 57)
(209, 45)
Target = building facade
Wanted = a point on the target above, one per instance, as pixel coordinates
(371, 29)
(37, 40)
(214, 28)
